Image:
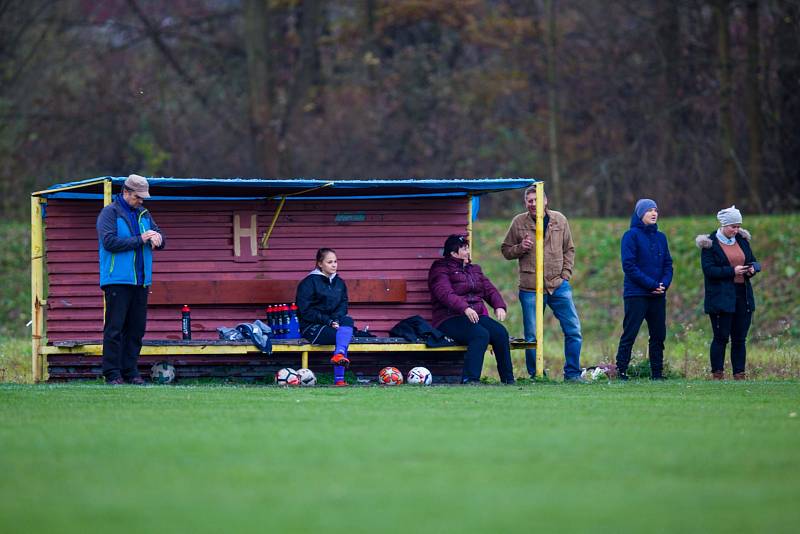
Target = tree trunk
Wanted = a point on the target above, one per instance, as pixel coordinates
(725, 96)
(307, 78)
(263, 139)
(669, 39)
(755, 120)
(552, 101)
(788, 100)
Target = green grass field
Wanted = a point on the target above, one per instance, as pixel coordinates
(682, 456)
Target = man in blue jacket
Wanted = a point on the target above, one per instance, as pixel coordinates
(647, 265)
(127, 235)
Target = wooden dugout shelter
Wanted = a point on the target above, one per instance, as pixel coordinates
(236, 245)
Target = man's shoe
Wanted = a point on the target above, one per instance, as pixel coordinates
(137, 381)
(575, 380)
(740, 376)
(115, 381)
(340, 359)
(622, 375)
(718, 375)
(340, 384)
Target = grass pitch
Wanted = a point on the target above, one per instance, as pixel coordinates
(637, 457)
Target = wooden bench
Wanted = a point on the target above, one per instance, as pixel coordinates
(222, 347)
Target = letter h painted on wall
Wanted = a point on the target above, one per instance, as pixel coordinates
(245, 240)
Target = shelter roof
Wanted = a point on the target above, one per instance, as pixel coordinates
(257, 188)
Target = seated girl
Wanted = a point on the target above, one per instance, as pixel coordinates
(322, 306)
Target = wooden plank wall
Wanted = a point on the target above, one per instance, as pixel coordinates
(396, 238)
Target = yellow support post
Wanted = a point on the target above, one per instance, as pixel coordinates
(106, 192)
(37, 288)
(539, 279)
(304, 359)
(265, 239)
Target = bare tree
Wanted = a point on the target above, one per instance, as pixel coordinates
(722, 17)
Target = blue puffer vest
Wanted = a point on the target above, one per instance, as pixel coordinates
(119, 245)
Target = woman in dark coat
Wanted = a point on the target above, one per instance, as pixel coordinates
(458, 289)
(728, 264)
(322, 305)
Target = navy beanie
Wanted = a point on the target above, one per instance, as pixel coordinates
(643, 206)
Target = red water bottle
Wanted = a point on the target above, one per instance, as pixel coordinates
(186, 322)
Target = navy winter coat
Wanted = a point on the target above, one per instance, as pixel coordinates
(321, 300)
(646, 261)
(718, 273)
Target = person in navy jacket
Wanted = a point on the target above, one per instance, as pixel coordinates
(647, 265)
(728, 265)
(127, 236)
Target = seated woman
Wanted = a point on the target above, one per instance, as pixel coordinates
(458, 289)
(322, 306)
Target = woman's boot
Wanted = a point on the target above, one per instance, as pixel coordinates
(718, 375)
(740, 376)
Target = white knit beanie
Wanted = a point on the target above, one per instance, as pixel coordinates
(729, 216)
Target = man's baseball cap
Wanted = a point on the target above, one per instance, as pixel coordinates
(138, 184)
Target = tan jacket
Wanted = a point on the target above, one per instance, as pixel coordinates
(559, 250)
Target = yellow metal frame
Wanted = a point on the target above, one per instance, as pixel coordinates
(37, 288)
(38, 301)
(539, 279)
(268, 233)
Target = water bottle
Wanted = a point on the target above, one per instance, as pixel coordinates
(271, 318)
(294, 323)
(186, 322)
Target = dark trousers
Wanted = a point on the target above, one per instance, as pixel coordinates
(126, 317)
(733, 326)
(477, 338)
(654, 311)
(322, 334)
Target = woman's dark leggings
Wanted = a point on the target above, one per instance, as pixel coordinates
(477, 337)
(733, 326)
(654, 311)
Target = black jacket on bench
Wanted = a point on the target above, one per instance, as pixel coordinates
(321, 300)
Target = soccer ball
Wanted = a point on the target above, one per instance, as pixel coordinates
(390, 376)
(287, 377)
(307, 377)
(420, 376)
(162, 373)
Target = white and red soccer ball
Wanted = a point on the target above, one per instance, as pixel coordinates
(390, 376)
(419, 376)
(307, 377)
(287, 377)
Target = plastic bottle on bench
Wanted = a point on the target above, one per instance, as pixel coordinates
(186, 322)
(294, 323)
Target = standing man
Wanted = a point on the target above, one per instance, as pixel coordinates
(559, 257)
(647, 265)
(127, 235)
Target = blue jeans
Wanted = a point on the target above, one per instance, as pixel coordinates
(564, 309)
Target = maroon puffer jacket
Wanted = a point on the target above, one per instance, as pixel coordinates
(455, 287)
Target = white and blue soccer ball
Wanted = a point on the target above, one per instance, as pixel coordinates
(162, 373)
(307, 377)
(419, 376)
(287, 377)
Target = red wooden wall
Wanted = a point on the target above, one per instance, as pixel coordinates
(394, 238)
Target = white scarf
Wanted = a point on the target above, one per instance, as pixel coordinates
(725, 240)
